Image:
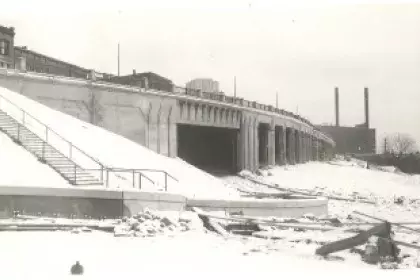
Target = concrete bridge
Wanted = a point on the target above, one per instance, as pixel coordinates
(214, 132)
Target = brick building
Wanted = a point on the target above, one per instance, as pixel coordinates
(37, 62)
(144, 80)
(7, 35)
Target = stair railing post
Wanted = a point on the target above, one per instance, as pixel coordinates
(102, 173)
(70, 150)
(139, 180)
(134, 178)
(107, 178)
(46, 134)
(166, 181)
(43, 151)
(23, 117)
(18, 131)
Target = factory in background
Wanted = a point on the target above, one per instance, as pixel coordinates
(204, 85)
(360, 139)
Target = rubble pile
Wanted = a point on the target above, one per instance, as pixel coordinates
(152, 223)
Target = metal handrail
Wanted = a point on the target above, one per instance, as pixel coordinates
(72, 146)
(47, 128)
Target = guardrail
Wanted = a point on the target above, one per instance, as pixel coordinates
(77, 155)
(241, 102)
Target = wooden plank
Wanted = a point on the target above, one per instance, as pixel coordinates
(209, 223)
(307, 193)
(382, 230)
(382, 220)
(265, 222)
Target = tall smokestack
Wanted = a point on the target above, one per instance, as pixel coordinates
(337, 109)
(367, 107)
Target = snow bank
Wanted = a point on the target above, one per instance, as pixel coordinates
(345, 178)
(113, 150)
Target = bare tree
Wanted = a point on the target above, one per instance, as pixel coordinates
(399, 144)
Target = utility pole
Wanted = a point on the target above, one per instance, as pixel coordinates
(118, 59)
(234, 86)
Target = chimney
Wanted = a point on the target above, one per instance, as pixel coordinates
(367, 107)
(134, 72)
(337, 109)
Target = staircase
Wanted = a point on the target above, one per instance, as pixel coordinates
(68, 169)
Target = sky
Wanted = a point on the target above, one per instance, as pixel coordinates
(299, 49)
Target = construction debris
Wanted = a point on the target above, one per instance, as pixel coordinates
(306, 192)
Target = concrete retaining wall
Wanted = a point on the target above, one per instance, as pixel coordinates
(266, 207)
(96, 203)
(83, 203)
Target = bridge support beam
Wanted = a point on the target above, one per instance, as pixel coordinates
(248, 145)
(291, 144)
(271, 145)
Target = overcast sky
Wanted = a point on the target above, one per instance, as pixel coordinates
(302, 51)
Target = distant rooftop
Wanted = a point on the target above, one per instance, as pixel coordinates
(8, 30)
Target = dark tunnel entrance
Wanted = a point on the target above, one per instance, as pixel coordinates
(263, 130)
(212, 149)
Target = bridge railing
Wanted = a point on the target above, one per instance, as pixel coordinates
(239, 101)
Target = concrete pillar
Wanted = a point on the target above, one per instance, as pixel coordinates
(292, 147)
(243, 141)
(282, 139)
(303, 147)
(255, 142)
(271, 145)
(298, 147)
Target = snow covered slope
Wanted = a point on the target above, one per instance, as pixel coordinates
(116, 151)
(345, 178)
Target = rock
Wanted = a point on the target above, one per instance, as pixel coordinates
(86, 229)
(399, 200)
(310, 217)
(167, 221)
(151, 230)
(389, 265)
(141, 219)
(75, 231)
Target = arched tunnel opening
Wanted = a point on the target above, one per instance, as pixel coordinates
(263, 129)
(212, 149)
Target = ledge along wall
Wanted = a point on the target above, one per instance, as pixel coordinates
(80, 203)
(150, 118)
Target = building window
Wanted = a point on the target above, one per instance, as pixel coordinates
(4, 47)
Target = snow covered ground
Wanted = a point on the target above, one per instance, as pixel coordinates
(111, 150)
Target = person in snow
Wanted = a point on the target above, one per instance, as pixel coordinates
(77, 269)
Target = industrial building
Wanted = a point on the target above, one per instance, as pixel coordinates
(204, 85)
(360, 139)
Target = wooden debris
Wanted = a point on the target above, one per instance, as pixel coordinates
(382, 230)
(210, 224)
(400, 225)
(307, 193)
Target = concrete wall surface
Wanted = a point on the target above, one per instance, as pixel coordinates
(83, 203)
(266, 207)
